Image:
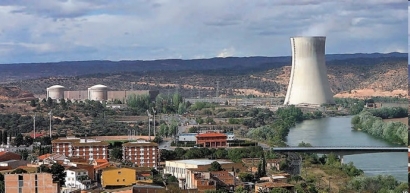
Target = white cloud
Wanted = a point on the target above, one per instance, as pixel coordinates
(226, 52)
(47, 30)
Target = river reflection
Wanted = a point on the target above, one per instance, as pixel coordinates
(336, 131)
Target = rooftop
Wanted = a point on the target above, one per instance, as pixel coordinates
(56, 86)
(211, 135)
(274, 185)
(200, 161)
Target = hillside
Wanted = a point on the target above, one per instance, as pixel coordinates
(351, 75)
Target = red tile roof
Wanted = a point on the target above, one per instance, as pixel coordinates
(211, 135)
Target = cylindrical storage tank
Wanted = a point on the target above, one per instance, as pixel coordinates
(55, 92)
(97, 92)
(308, 84)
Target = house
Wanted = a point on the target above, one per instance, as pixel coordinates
(31, 182)
(51, 159)
(6, 155)
(184, 170)
(77, 178)
(118, 177)
(269, 186)
(13, 164)
(214, 140)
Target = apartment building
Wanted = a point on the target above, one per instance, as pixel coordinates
(88, 149)
(184, 170)
(142, 153)
(33, 182)
(77, 178)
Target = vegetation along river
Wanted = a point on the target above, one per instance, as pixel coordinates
(336, 131)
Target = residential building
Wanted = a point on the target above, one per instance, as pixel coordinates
(187, 137)
(184, 170)
(269, 186)
(13, 164)
(214, 140)
(6, 155)
(142, 153)
(88, 149)
(114, 177)
(33, 182)
(77, 178)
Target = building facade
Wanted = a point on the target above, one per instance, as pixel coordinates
(142, 153)
(28, 183)
(77, 178)
(87, 149)
(211, 140)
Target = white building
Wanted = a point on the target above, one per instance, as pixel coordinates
(187, 137)
(180, 169)
(77, 178)
(191, 137)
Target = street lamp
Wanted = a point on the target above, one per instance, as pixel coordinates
(155, 133)
(149, 125)
(50, 113)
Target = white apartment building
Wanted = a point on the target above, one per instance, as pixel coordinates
(77, 178)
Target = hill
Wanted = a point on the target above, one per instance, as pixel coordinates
(350, 75)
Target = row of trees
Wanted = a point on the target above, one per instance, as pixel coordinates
(276, 133)
(395, 132)
(389, 112)
(235, 154)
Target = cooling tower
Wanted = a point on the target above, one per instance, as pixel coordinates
(97, 93)
(55, 92)
(308, 84)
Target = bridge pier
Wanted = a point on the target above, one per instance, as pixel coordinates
(341, 158)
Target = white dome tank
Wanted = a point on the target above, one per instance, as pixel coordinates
(97, 92)
(55, 92)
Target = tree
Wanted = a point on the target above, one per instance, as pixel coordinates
(18, 140)
(58, 172)
(116, 153)
(28, 140)
(19, 171)
(4, 139)
(215, 166)
(246, 177)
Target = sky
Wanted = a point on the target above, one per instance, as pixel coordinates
(76, 30)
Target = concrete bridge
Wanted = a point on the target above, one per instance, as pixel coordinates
(340, 150)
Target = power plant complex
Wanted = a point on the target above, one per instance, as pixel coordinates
(308, 84)
(97, 93)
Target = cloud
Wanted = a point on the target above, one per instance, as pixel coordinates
(54, 30)
(226, 52)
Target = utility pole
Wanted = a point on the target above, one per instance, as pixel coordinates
(217, 88)
(34, 126)
(149, 125)
(50, 113)
(155, 133)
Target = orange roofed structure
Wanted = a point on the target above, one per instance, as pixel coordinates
(211, 140)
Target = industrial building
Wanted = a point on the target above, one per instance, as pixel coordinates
(308, 84)
(98, 92)
(55, 92)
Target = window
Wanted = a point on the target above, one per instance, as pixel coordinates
(123, 180)
(118, 180)
(119, 172)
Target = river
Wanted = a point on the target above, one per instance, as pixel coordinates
(336, 131)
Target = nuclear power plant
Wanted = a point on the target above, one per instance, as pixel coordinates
(97, 92)
(308, 84)
(55, 92)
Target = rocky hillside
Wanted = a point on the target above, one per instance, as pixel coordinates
(355, 77)
(14, 93)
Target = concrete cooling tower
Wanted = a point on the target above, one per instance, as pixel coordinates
(55, 92)
(308, 84)
(97, 93)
